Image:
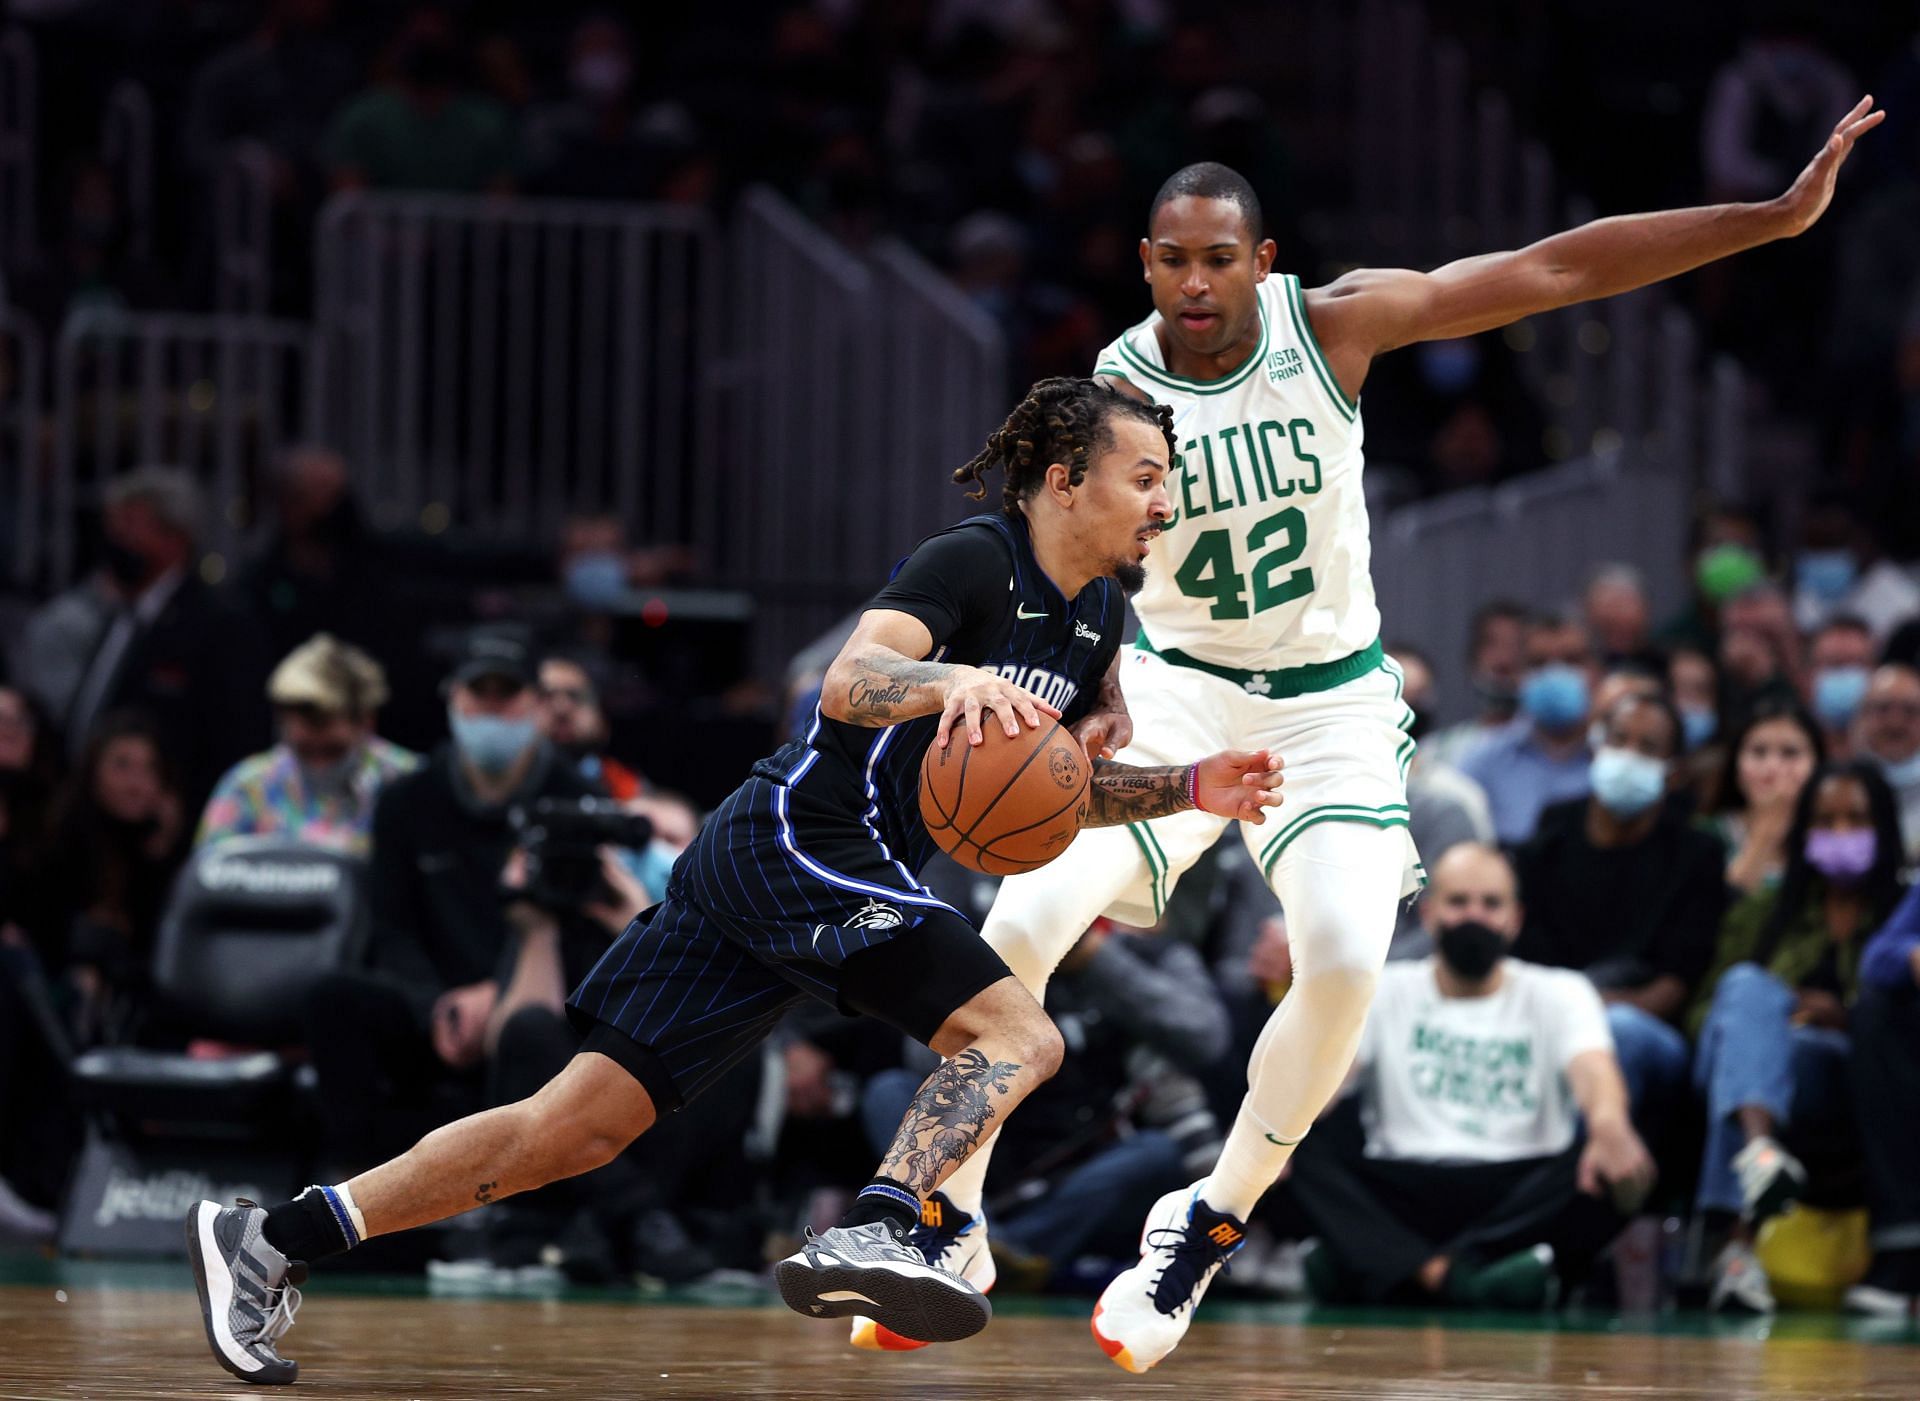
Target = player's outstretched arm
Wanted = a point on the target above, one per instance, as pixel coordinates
(881, 678)
(1373, 310)
(1233, 783)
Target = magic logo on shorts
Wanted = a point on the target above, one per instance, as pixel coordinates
(1056, 691)
(875, 915)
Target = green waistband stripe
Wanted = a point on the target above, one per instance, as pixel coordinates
(1281, 682)
(1156, 864)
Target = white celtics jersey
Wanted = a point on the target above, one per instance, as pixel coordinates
(1266, 563)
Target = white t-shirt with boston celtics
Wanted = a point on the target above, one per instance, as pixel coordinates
(1475, 1079)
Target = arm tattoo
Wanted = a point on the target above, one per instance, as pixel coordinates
(884, 684)
(947, 1119)
(484, 1195)
(1123, 793)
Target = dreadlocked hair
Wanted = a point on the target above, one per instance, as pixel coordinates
(1061, 420)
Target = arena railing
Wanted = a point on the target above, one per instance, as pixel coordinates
(217, 395)
(496, 365)
(243, 231)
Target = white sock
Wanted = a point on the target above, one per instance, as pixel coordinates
(1339, 882)
(353, 1212)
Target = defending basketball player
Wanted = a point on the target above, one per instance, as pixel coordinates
(1258, 628)
(804, 882)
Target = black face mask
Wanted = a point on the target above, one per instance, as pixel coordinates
(1471, 948)
(1496, 697)
(127, 565)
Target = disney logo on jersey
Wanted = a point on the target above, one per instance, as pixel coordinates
(875, 915)
(1056, 691)
(1082, 630)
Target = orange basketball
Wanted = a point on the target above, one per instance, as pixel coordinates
(1005, 805)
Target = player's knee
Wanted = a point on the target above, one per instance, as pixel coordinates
(1342, 992)
(1041, 1048)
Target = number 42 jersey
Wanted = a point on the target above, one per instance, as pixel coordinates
(1265, 565)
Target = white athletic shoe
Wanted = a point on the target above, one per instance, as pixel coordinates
(868, 1270)
(1144, 1313)
(1771, 1179)
(1740, 1283)
(950, 1239)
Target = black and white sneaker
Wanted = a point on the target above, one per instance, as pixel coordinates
(247, 1294)
(869, 1271)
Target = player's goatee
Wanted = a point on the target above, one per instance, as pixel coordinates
(1132, 577)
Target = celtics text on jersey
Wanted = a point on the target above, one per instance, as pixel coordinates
(1266, 563)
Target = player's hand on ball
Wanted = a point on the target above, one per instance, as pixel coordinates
(971, 690)
(1238, 783)
(1105, 733)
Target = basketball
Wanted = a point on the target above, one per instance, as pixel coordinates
(1005, 806)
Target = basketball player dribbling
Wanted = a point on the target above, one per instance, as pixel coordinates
(804, 882)
(1258, 628)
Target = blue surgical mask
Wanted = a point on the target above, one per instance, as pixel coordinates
(1627, 783)
(1837, 693)
(1901, 774)
(1555, 697)
(1698, 726)
(491, 743)
(1828, 575)
(598, 580)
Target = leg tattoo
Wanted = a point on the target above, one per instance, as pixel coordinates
(947, 1119)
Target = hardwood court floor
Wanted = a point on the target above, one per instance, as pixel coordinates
(109, 1341)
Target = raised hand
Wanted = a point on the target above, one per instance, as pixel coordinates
(1810, 195)
(1238, 783)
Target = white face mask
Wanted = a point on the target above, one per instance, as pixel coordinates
(1627, 783)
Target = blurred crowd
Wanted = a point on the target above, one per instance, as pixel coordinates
(1666, 851)
(1667, 949)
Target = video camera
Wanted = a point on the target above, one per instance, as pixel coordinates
(562, 838)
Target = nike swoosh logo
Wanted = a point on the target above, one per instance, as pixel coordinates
(1021, 612)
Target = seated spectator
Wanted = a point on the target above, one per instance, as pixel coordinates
(1444, 806)
(1840, 655)
(599, 143)
(1496, 660)
(1775, 750)
(90, 900)
(394, 1044)
(37, 1121)
(1695, 687)
(426, 129)
(1772, 1016)
(1760, 650)
(1840, 572)
(1887, 734)
(1497, 1148)
(1102, 1141)
(163, 641)
(1723, 553)
(1614, 608)
(1542, 757)
(1620, 886)
(1885, 1027)
(318, 785)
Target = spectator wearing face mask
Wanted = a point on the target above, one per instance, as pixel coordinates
(319, 783)
(1773, 753)
(1493, 1146)
(1496, 661)
(1841, 656)
(397, 1046)
(1772, 1016)
(1887, 734)
(1839, 571)
(1695, 686)
(1620, 886)
(1542, 757)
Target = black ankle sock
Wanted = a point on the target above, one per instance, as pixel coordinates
(306, 1228)
(884, 1200)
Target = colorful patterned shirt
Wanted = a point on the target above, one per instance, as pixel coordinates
(265, 795)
